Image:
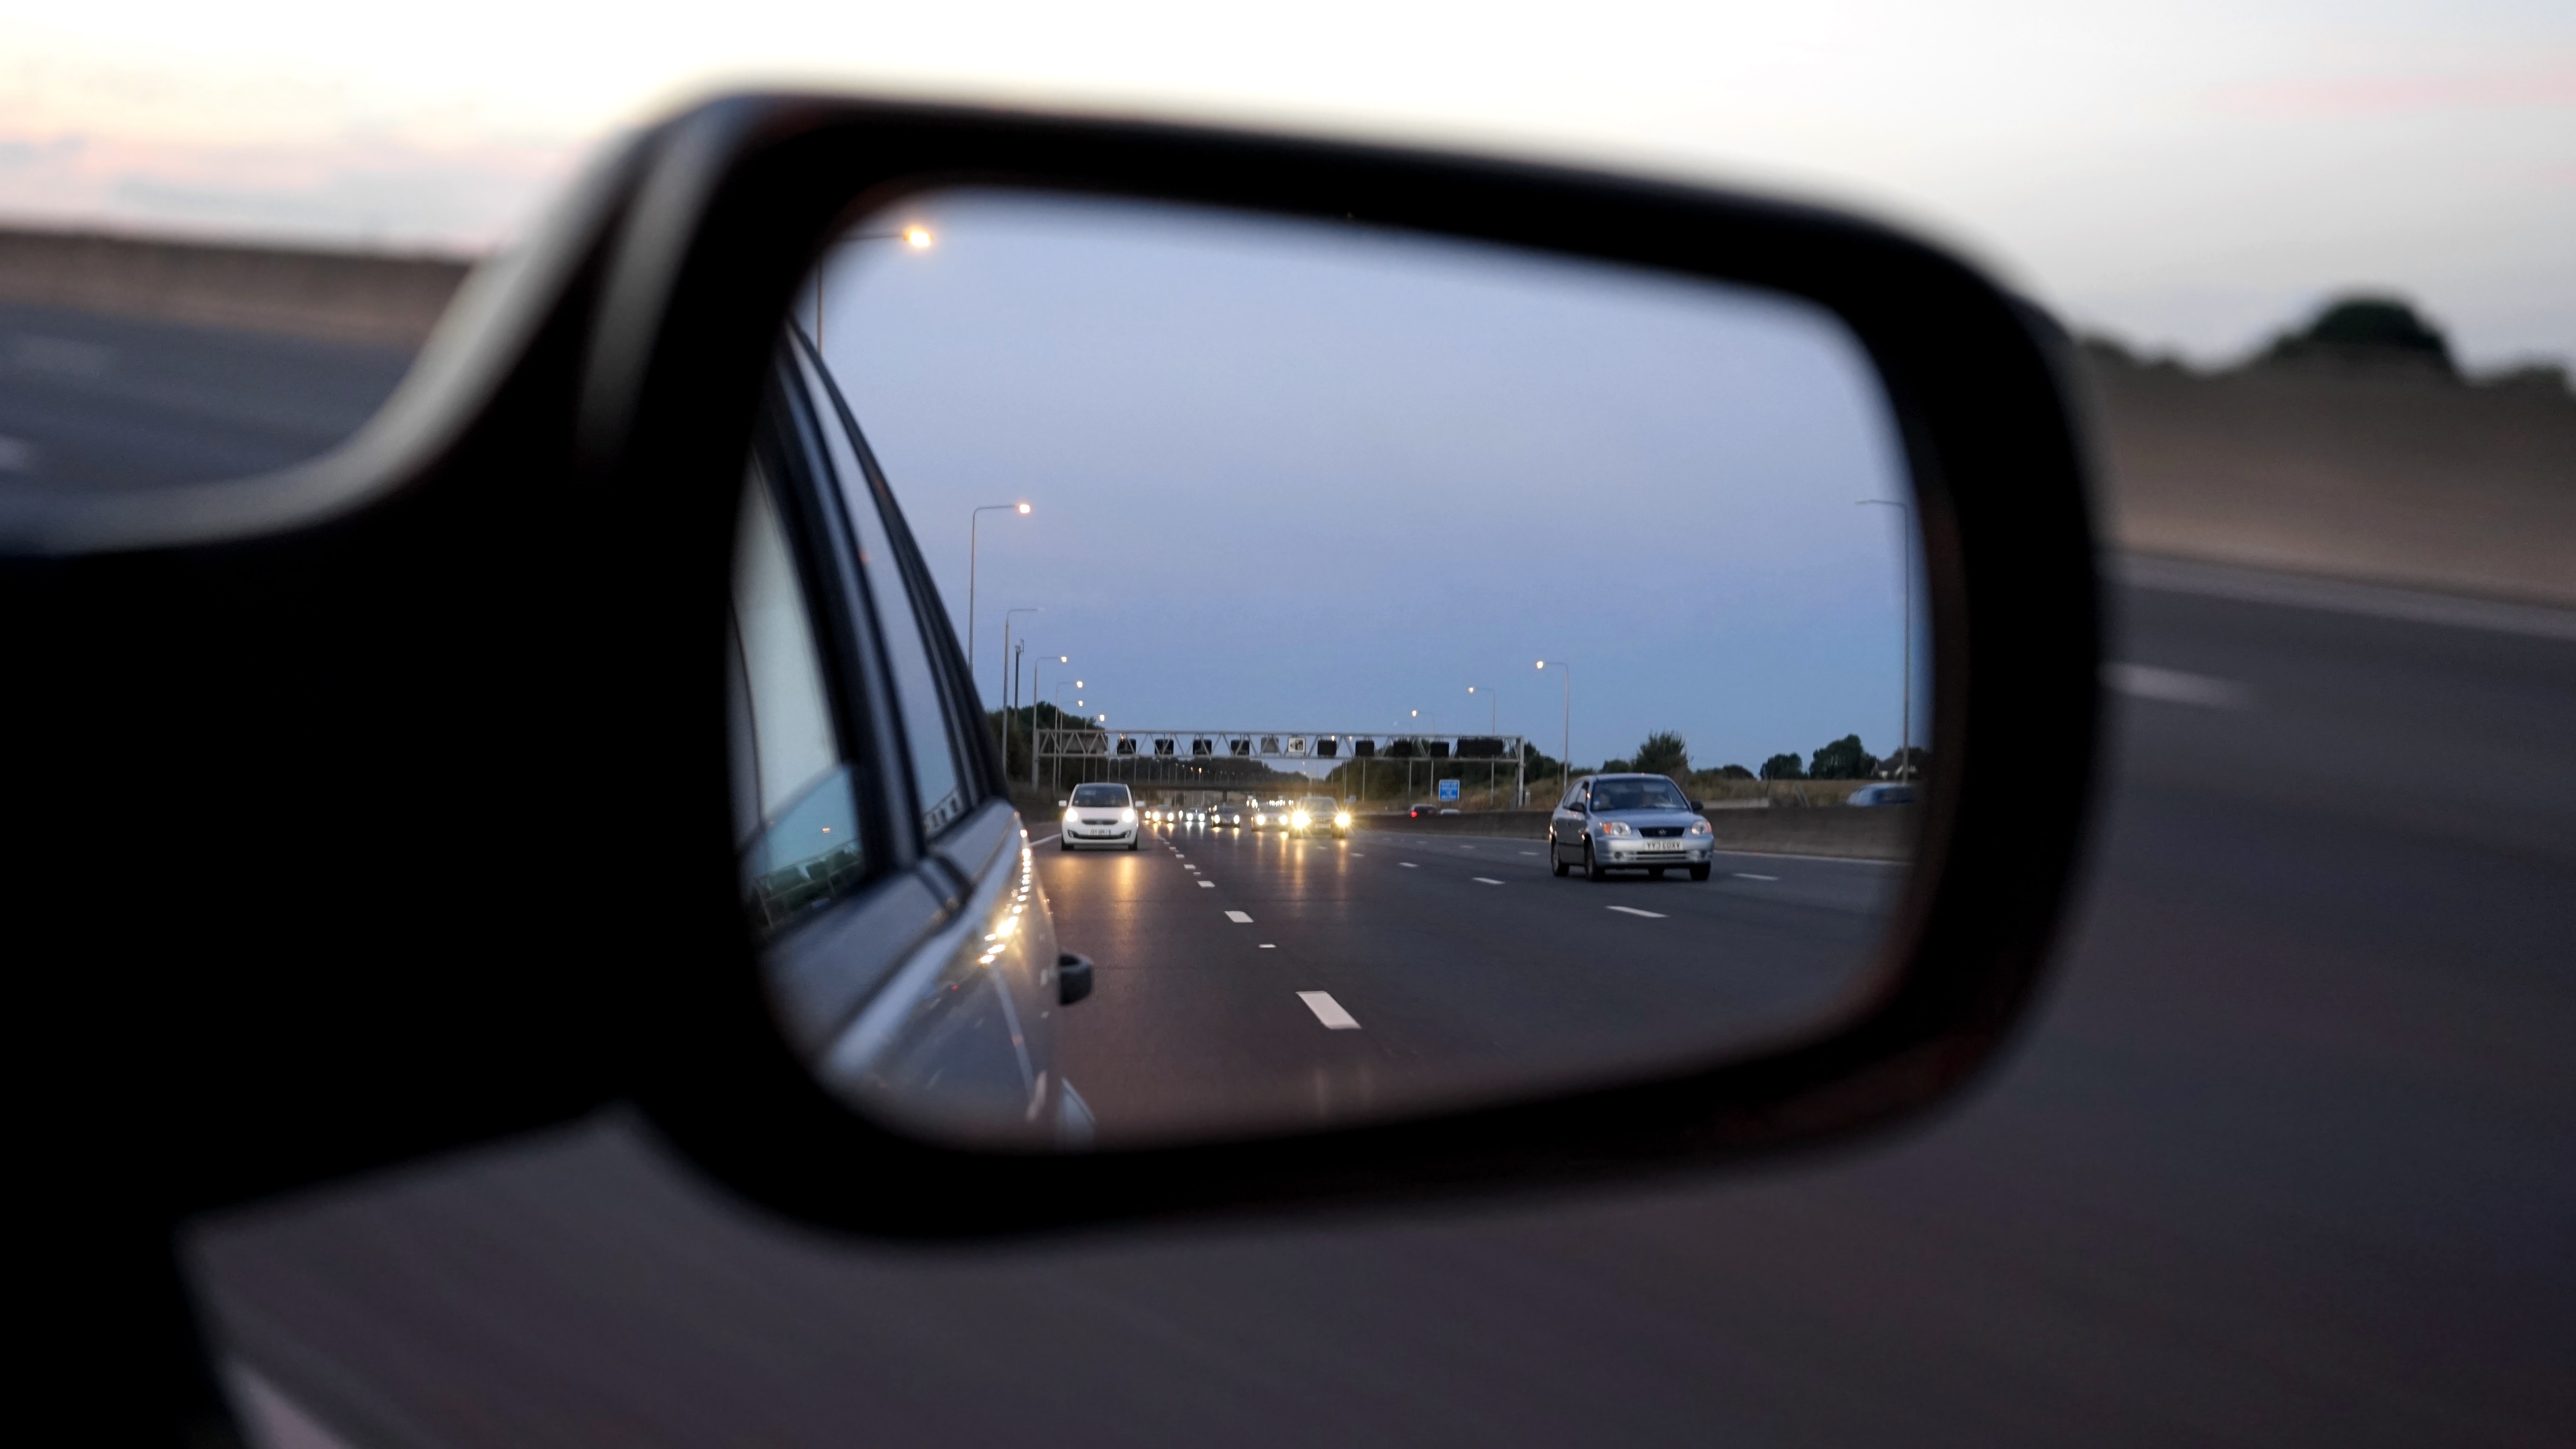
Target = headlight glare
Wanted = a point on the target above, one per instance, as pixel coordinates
(1127, 816)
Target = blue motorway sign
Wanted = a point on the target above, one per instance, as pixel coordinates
(1448, 789)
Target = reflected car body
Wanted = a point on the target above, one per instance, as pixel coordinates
(1628, 822)
(1102, 815)
(909, 955)
(1868, 795)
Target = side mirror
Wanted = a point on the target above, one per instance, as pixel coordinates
(1062, 804)
(833, 1032)
(1698, 807)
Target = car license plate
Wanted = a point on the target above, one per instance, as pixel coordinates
(1662, 845)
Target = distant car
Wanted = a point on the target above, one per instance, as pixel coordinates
(1882, 795)
(1099, 814)
(1225, 816)
(1420, 812)
(1272, 815)
(1316, 814)
(1628, 822)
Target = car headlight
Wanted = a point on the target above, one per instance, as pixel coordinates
(1300, 820)
(1343, 820)
(1616, 827)
(1127, 816)
(1699, 827)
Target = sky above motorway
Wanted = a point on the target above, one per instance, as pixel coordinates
(2187, 175)
(1289, 476)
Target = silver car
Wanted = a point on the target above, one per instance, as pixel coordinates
(1628, 822)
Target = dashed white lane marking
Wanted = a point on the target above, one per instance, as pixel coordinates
(2173, 686)
(1484, 880)
(1042, 839)
(1328, 1011)
(1362, 854)
(1239, 918)
(1408, 865)
(1207, 885)
(1266, 946)
(1529, 852)
(1633, 911)
(1748, 875)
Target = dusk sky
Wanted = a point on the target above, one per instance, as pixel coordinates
(1297, 476)
(2190, 174)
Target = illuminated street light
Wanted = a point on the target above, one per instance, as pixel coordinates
(916, 237)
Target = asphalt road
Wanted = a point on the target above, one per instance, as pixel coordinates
(110, 402)
(1245, 978)
(2287, 1156)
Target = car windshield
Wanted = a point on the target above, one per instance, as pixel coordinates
(1316, 805)
(1099, 794)
(1649, 793)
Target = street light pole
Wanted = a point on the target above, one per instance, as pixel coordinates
(1494, 726)
(974, 520)
(1565, 767)
(1060, 688)
(1905, 544)
(1010, 676)
(1037, 691)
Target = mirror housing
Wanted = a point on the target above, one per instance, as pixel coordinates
(302, 632)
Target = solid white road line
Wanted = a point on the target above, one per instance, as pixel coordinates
(1328, 1011)
(1484, 880)
(2335, 596)
(1748, 875)
(1043, 839)
(1633, 911)
(1239, 918)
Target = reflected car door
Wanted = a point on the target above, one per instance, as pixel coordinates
(967, 1027)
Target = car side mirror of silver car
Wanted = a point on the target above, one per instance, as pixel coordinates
(293, 655)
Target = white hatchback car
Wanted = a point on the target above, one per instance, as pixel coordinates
(1099, 814)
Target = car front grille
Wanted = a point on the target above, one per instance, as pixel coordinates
(1660, 832)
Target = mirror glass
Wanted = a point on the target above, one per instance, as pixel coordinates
(1162, 634)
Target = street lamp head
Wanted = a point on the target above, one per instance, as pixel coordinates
(917, 237)
(1024, 508)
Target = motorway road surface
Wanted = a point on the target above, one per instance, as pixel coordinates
(1244, 977)
(2288, 1155)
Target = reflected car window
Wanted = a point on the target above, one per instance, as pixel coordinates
(940, 786)
(797, 827)
(1637, 795)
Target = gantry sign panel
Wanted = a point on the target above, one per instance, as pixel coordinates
(1294, 746)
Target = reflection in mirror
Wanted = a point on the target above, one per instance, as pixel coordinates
(1427, 674)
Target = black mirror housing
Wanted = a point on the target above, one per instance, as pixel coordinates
(268, 627)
